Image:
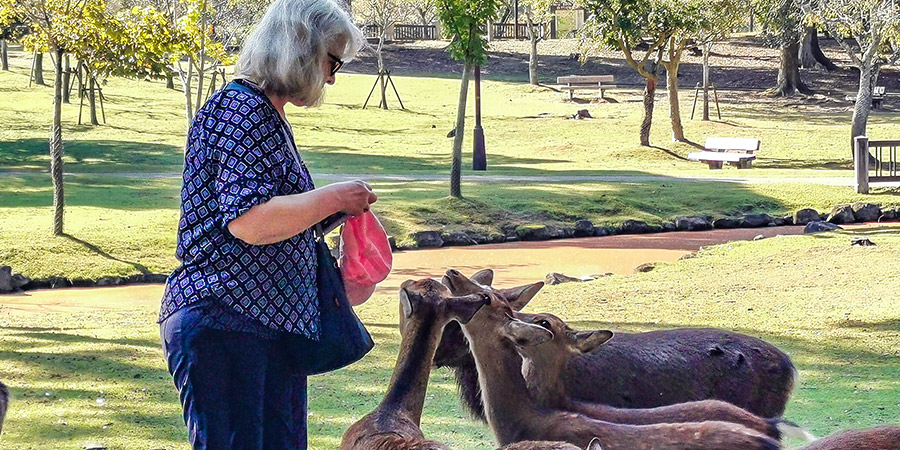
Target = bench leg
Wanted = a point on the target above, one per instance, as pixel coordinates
(571, 94)
(601, 93)
(714, 165)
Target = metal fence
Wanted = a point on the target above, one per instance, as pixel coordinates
(874, 162)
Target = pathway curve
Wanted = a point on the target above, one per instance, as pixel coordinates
(514, 263)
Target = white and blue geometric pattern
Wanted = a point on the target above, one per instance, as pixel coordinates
(240, 153)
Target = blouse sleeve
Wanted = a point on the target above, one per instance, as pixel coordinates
(249, 172)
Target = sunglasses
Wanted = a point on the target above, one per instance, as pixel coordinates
(336, 63)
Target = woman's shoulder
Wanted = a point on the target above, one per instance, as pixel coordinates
(240, 105)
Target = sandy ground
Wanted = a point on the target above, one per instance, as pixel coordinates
(513, 263)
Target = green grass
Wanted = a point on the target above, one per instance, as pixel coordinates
(816, 297)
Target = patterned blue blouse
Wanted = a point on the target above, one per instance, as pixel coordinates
(241, 153)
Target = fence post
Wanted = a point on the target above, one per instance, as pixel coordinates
(861, 164)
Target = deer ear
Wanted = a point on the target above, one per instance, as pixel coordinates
(518, 297)
(594, 445)
(484, 277)
(464, 308)
(526, 335)
(406, 304)
(587, 341)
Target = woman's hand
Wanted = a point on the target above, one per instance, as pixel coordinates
(353, 197)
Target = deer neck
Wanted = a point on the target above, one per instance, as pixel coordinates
(507, 405)
(406, 392)
(545, 385)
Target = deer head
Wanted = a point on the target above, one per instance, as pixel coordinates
(428, 298)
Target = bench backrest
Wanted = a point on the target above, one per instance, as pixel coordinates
(720, 144)
(573, 79)
(878, 90)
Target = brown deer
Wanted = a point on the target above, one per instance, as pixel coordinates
(544, 445)
(643, 370)
(877, 438)
(514, 416)
(543, 367)
(4, 403)
(426, 306)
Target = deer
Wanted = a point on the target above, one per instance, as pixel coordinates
(426, 306)
(4, 403)
(643, 370)
(884, 437)
(514, 416)
(545, 445)
(543, 367)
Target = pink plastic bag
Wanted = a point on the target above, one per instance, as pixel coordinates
(366, 257)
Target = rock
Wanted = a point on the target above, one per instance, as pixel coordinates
(568, 232)
(5, 279)
(490, 238)
(558, 278)
(584, 228)
(805, 216)
(892, 213)
(156, 277)
(779, 221)
(82, 282)
(511, 238)
(646, 267)
(556, 232)
(669, 226)
(756, 220)
(861, 242)
(601, 231)
(788, 220)
(451, 133)
(425, 239)
(635, 227)
(842, 214)
(94, 446)
(692, 223)
(110, 281)
(19, 281)
(533, 232)
(582, 114)
(819, 226)
(48, 283)
(393, 243)
(726, 223)
(457, 239)
(866, 212)
(758, 237)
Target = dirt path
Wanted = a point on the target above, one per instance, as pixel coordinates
(514, 264)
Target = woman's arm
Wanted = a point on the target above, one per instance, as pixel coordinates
(285, 216)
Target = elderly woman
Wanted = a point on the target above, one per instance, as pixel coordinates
(248, 275)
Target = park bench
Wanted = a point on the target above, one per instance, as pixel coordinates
(739, 152)
(572, 83)
(878, 93)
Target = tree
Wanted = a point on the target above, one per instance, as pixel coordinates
(384, 14)
(874, 25)
(781, 22)
(627, 25)
(462, 20)
(811, 55)
(11, 29)
(422, 11)
(537, 21)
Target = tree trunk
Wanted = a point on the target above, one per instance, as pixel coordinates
(811, 56)
(186, 84)
(4, 55)
(789, 81)
(67, 78)
(201, 66)
(868, 73)
(39, 69)
(56, 151)
(533, 55)
(170, 81)
(456, 164)
(381, 72)
(649, 101)
(672, 86)
(706, 49)
(92, 99)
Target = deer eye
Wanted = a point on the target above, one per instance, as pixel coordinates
(544, 324)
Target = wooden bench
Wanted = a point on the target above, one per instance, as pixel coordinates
(572, 83)
(739, 152)
(878, 93)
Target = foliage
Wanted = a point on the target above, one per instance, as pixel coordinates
(781, 21)
(462, 20)
(873, 24)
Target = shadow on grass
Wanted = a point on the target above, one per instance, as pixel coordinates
(95, 156)
(139, 267)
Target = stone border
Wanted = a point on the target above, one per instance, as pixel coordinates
(840, 214)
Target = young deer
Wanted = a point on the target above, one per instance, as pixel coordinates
(643, 370)
(545, 445)
(514, 416)
(544, 365)
(426, 307)
(877, 438)
(4, 403)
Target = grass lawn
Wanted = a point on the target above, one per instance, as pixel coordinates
(98, 375)
(125, 225)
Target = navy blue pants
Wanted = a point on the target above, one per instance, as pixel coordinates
(236, 389)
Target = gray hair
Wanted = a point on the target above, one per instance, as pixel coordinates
(284, 52)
